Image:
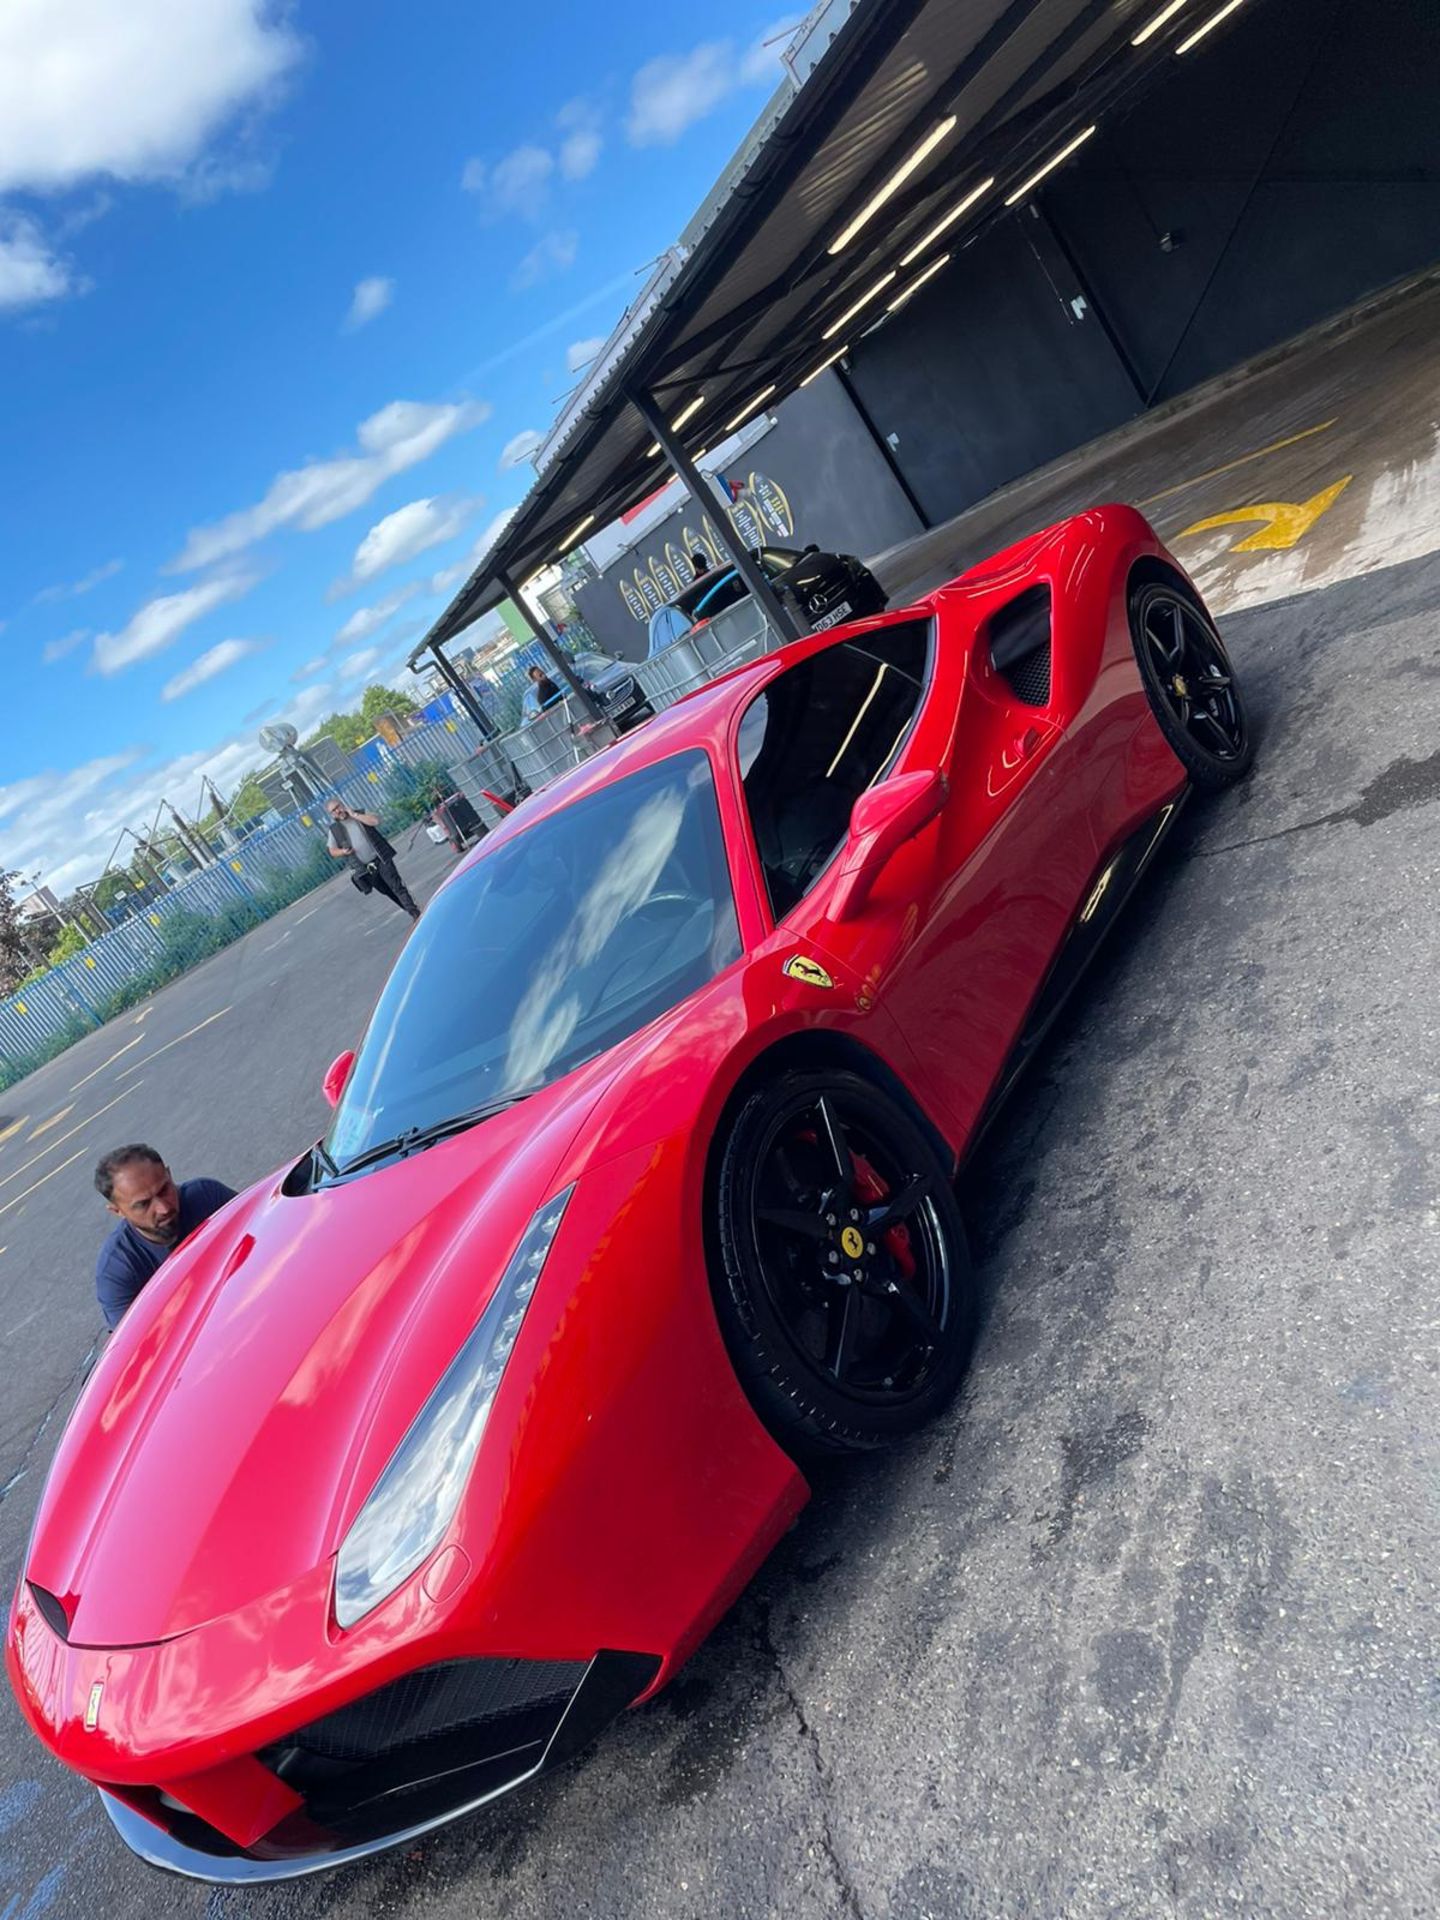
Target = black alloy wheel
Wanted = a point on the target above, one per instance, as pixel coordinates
(843, 1286)
(1190, 683)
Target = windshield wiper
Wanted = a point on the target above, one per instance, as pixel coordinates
(414, 1139)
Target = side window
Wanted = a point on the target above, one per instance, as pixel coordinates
(811, 744)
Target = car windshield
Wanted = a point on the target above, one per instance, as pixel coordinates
(554, 947)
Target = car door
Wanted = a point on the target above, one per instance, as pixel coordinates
(956, 936)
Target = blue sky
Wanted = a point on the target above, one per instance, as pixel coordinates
(283, 288)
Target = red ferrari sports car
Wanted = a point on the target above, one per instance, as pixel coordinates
(428, 1456)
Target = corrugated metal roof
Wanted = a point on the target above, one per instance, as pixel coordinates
(744, 299)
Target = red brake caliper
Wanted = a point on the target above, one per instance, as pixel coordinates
(870, 1188)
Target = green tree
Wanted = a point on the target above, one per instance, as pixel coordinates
(14, 962)
(347, 730)
(249, 802)
(71, 942)
(378, 700)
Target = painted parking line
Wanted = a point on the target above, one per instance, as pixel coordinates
(106, 1063)
(9, 1133)
(309, 914)
(1244, 461)
(277, 943)
(53, 1121)
(146, 1058)
(143, 1014)
(61, 1138)
(79, 1154)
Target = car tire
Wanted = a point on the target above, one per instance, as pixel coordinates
(832, 1366)
(1190, 683)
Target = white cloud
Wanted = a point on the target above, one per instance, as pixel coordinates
(358, 664)
(216, 660)
(400, 536)
(553, 254)
(160, 622)
(448, 578)
(30, 273)
(367, 620)
(580, 152)
(581, 352)
(671, 93)
(519, 184)
(71, 589)
(310, 669)
(369, 301)
(46, 818)
(54, 650)
(518, 450)
(133, 91)
(399, 436)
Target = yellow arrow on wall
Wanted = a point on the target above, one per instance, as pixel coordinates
(1283, 522)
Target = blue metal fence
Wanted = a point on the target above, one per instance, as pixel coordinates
(264, 873)
(275, 866)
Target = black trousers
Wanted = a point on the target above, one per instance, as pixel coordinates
(386, 876)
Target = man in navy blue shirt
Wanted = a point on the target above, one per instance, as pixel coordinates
(155, 1216)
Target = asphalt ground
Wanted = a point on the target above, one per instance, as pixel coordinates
(1147, 1623)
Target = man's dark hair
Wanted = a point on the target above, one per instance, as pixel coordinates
(119, 1157)
(700, 561)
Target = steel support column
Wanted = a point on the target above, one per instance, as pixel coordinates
(461, 689)
(554, 652)
(786, 622)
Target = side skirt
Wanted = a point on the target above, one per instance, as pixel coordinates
(1108, 895)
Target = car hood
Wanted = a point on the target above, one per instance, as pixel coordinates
(257, 1388)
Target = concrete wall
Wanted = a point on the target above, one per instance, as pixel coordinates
(816, 476)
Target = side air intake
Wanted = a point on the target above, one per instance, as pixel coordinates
(1020, 646)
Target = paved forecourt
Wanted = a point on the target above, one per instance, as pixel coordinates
(1146, 1623)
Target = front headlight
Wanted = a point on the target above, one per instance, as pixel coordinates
(415, 1499)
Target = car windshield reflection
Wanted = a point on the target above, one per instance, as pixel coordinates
(556, 946)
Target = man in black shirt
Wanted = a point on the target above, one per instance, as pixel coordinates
(155, 1216)
(356, 837)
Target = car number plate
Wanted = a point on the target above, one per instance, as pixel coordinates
(829, 619)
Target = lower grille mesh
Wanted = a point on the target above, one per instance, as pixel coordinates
(435, 1701)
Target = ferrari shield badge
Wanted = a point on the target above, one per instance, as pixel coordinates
(800, 967)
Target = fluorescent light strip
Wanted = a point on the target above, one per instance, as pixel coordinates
(745, 412)
(864, 301)
(1200, 32)
(574, 535)
(1055, 160)
(1166, 13)
(918, 282)
(893, 185)
(686, 413)
(950, 219)
(839, 354)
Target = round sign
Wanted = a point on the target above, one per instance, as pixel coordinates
(774, 508)
(747, 521)
(649, 592)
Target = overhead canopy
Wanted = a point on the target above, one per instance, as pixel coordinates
(758, 295)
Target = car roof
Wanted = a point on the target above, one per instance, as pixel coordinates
(699, 719)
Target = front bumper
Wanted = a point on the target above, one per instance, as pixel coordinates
(350, 1810)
